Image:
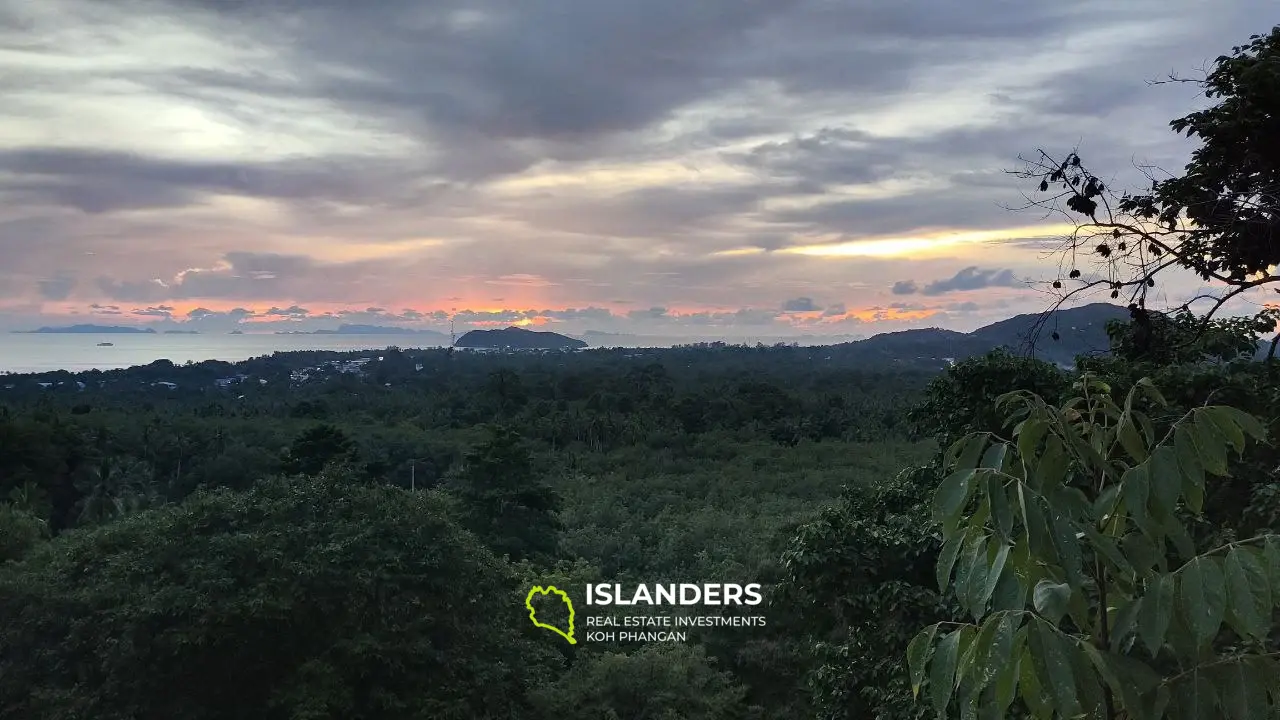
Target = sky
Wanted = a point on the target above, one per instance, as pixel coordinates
(717, 168)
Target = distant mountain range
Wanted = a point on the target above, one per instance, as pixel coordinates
(367, 330)
(599, 338)
(1080, 331)
(92, 329)
(514, 338)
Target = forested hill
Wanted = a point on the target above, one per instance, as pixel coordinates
(518, 339)
(1058, 338)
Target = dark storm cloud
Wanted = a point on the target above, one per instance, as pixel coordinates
(97, 181)
(646, 212)
(970, 278)
(653, 313)
(556, 70)
(205, 314)
(506, 68)
(293, 311)
(800, 305)
(842, 155)
(161, 311)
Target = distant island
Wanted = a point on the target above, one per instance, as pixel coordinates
(91, 329)
(181, 332)
(364, 330)
(515, 338)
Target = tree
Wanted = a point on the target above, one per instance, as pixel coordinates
(317, 447)
(1181, 337)
(1068, 546)
(862, 575)
(302, 598)
(1219, 219)
(20, 532)
(959, 400)
(504, 501)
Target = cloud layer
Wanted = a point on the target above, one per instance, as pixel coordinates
(711, 167)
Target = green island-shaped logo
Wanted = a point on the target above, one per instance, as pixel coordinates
(528, 603)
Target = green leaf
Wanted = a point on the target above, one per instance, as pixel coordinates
(1182, 542)
(1202, 598)
(1161, 702)
(947, 560)
(975, 665)
(918, 652)
(977, 580)
(1008, 651)
(1125, 621)
(1030, 433)
(1033, 691)
(1165, 481)
(1068, 545)
(1211, 446)
(1156, 613)
(952, 494)
(1271, 561)
(1052, 465)
(1195, 698)
(1051, 651)
(1136, 486)
(1248, 593)
(1130, 439)
(1191, 468)
(1039, 540)
(1088, 688)
(1142, 553)
(1134, 681)
(1009, 594)
(943, 670)
(992, 579)
(1246, 422)
(1050, 599)
(1148, 388)
(994, 457)
(1106, 500)
(975, 554)
(1224, 425)
(967, 648)
(1001, 511)
(964, 453)
(1244, 691)
(1105, 545)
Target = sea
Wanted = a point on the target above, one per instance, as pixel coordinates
(43, 352)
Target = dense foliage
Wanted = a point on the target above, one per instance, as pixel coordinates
(1068, 546)
(282, 535)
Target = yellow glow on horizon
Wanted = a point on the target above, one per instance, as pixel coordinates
(922, 244)
(737, 252)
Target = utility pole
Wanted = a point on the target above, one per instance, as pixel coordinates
(413, 480)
